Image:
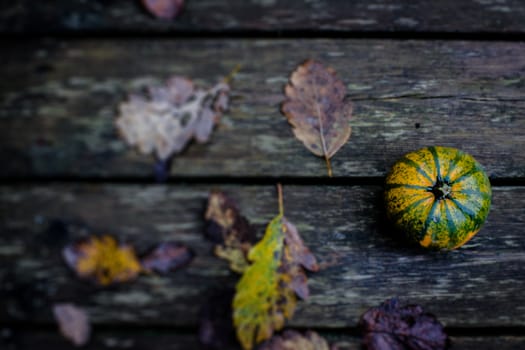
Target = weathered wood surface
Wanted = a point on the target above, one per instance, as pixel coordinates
(58, 100)
(449, 16)
(166, 340)
(152, 340)
(137, 340)
(479, 285)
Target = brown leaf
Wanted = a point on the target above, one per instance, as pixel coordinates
(292, 340)
(296, 256)
(232, 231)
(165, 9)
(298, 251)
(391, 326)
(316, 108)
(167, 118)
(166, 257)
(102, 260)
(73, 323)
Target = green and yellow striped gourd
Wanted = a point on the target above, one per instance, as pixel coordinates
(438, 196)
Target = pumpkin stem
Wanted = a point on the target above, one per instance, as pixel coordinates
(441, 189)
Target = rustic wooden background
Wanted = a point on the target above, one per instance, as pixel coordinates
(420, 73)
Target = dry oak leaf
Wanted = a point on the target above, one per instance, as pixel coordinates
(230, 230)
(266, 294)
(394, 327)
(164, 9)
(316, 108)
(292, 340)
(102, 260)
(167, 118)
(73, 323)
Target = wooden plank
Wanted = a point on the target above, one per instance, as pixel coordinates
(479, 285)
(154, 340)
(166, 340)
(58, 100)
(449, 16)
(139, 339)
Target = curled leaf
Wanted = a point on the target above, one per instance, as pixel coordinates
(73, 323)
(166, 257)
(392, 326)
(266, 294)
(316, 108)
(296, 257)
(292, 340)
(165, 9)
(102, 260)
(232, 231)
(167, 118)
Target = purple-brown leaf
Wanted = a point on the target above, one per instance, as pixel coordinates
(296, 257)
(316, 108)
(292, 340)
(229, 229)
(298, 251)
(165, 9)
(394, 327)
(166, 257)
(73, 323)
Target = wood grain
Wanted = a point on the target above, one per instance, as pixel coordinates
(58, 101)
(169, 340)
(121, 16)
(479, 285)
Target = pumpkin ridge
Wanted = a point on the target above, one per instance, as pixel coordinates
(433, 151)
(471, 171)
(450, 221)
(408, 208)
(453, 165)
(413, 164)
(469, 214)
(472, 192)
(428, 221)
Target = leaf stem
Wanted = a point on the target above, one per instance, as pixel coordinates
(328, 165)
(229, 77)
(280, 198)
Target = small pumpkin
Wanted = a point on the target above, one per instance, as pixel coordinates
(438, 196)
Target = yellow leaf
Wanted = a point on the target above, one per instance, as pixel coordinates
(103, 260)
(266, 294)
(263, 300)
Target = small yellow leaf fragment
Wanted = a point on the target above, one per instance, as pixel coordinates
(103, 260)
